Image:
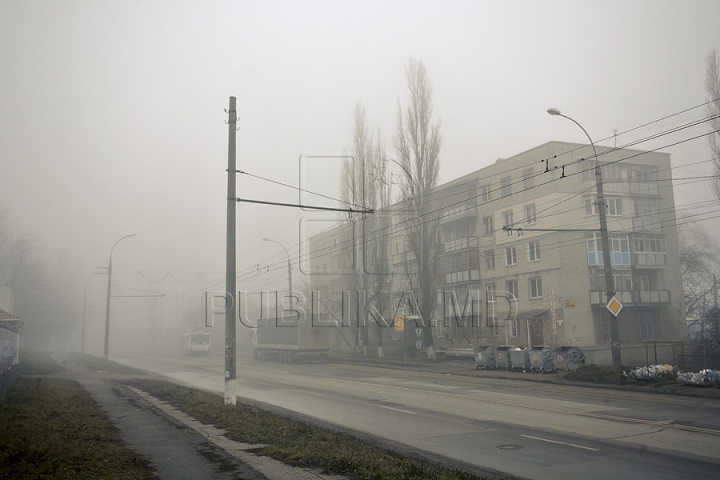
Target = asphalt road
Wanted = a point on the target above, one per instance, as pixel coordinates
(526, 429)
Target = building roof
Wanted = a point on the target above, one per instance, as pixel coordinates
(6, 316)
(9, 321)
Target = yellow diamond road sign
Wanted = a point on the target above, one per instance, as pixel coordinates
(614, 306)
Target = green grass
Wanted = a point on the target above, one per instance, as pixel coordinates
(53, 429)
(295, 442)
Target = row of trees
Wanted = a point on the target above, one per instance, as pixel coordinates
(366, 181)
(48, 319)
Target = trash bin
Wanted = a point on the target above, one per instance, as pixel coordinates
(520, 359)
(479, 355)
(541, 359)
(488, 355)
(568, 358)
(502, 358)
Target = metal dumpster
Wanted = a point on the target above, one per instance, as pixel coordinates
(502, 358)
(568, 358)
(541, 359)
(489, 358)
(481, 357)
(520, 359)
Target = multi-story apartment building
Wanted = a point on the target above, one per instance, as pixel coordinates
(519, 242)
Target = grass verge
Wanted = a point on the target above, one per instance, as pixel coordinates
(596, 374)
(98, 364)
(52, 429)
(295, 442)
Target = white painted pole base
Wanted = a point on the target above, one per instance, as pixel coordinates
(230, 391)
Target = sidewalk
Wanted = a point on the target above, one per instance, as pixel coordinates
(177, 446)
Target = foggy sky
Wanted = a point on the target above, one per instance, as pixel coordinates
(112, 121)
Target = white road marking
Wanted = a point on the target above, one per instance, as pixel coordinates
(397, 409)
(560, 443)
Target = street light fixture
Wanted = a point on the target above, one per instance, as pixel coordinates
(107, 304)
(289, 268)
(605, 241)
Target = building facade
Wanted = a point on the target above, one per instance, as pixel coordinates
(519, 258)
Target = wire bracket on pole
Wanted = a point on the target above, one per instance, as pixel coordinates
(309, 207)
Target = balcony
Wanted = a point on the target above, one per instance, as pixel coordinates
(633, 298)
(648, 223)
(460, 212)
(459, 245)
(648, 260)
(464, 276)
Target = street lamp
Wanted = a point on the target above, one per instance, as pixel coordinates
(107, 304)
(605, 241)
(289, 268)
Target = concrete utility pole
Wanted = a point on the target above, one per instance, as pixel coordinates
(230, 289)
(109, 288)
(605, 241)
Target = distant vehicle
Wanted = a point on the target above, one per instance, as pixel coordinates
(196, 343)
(283, 339)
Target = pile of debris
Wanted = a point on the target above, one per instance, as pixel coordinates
(651, 372)
(703, 378)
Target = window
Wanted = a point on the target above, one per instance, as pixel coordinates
(513, 326)
(619, 249)
(612, 172)
(614, 206)
(536, 287)
(648, 243)
(534, 251)
(643, 179)
(647, 326)
(489, 259)
(485, 192)
(506, 186)
(530, 216)
(488, 225)
(510, 256)
(511, 287)
(622, 280)
(642, 282)
(490, 292)
(528, 179)
(643, 172)
(646, 208)
(508, 219)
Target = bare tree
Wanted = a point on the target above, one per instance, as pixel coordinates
(417, 142)
(364, 182)
(699, 264)
(712, 86)
(48, 319)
